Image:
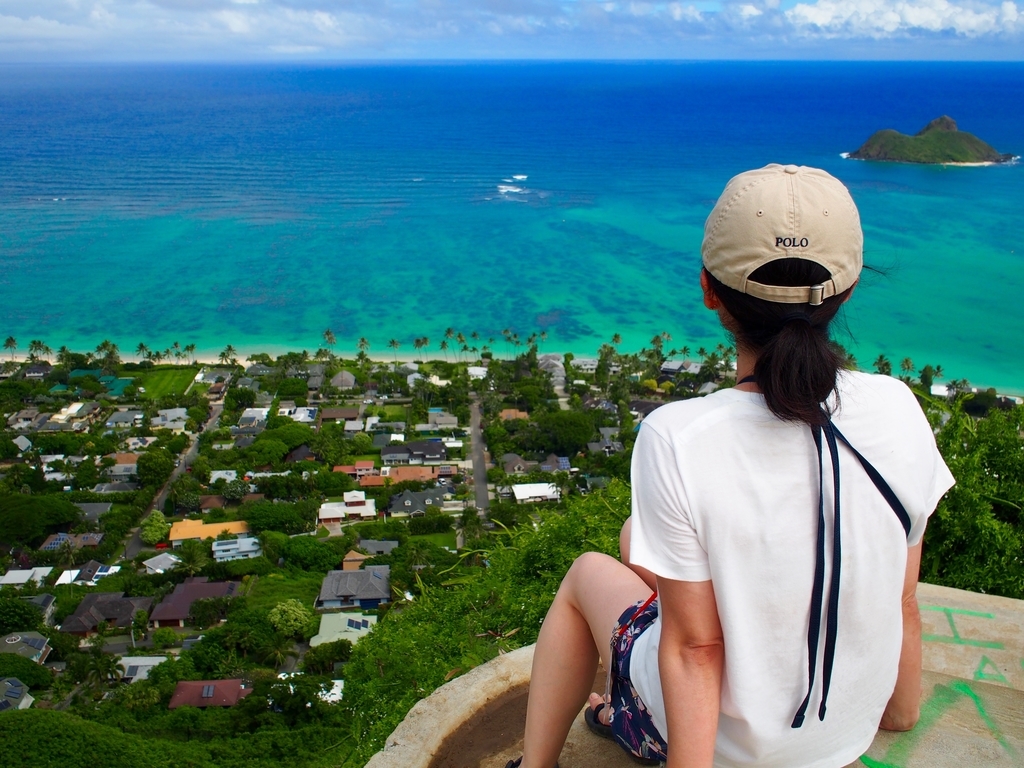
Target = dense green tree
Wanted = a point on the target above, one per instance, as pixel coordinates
(321, 659)
(154, 467)
(235, 490)
(312, 554)
(17, 615)
(28, 519)
(154, 528)
(564, 432)
(194, 556)
(290, 618)
(35, 676)
(285, 518)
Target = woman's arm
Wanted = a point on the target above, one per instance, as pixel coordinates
(690, 659)
(904, 707)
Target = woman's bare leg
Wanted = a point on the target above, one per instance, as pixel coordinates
(649, 578)
(576, 633)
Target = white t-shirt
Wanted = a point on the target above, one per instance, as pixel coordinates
(723, 490)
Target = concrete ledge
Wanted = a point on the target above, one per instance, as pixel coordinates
(972, 702)
(429, 724)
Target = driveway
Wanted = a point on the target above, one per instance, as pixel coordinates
(479, 463)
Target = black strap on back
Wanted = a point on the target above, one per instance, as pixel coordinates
(832, 437)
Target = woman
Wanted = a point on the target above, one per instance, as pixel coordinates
(764, 612)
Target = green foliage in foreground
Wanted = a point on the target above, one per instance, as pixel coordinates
(975, 539)
(447, 631)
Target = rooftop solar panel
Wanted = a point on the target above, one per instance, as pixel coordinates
(207, 691)
(36, 642)
(4, 705)
(132, 671)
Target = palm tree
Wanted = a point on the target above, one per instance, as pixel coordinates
(883, 366)
(617, 339)
(190, 350)
(278, 651)
(176, 351)
(363, 344)
(64, 357)
(938, 372)
(142, 351)
(110, 357)
(228, 355)
(330, 340)
(193, 557)
(102, 668)
(444, 348)
(11, 344)
(907, 366)
(395, 344)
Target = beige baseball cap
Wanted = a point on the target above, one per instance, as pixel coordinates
(784, 212)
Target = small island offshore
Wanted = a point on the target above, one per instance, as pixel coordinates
(938, 143)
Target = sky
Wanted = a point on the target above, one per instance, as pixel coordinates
(347, 30)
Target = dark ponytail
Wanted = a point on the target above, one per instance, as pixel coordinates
(797, 365)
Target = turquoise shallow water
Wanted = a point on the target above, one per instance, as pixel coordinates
(259, 206)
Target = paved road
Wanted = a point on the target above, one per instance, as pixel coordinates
(479, 465)
(135, 544)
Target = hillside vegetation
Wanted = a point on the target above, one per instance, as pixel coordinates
(938, 142)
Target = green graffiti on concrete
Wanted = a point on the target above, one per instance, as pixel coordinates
(935, 706)
(995, 675)
(955, 638)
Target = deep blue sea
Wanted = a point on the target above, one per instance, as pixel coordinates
(258, 206)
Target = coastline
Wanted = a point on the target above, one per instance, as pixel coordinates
(1013, 160)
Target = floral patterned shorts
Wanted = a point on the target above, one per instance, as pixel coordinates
(631, 722)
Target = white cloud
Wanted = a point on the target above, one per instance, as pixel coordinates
(882, 18)
(253, 29)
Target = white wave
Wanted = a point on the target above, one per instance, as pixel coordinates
(420, 178)
(510, 190)
(507, 181)
(844, 155)
(520, 177)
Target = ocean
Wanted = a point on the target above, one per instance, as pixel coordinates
(259, 205)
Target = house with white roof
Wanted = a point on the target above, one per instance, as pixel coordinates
(530, 493)
(354, 505)
(173, 419)
(225, 550)
(19, 578)
(162, 563)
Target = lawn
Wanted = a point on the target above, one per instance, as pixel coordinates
(438, 539)
(166, 381)
(277, 587)
(396, 413)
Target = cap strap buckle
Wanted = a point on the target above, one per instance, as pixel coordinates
(817, 294)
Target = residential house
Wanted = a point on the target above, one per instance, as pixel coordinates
(28, 420)
(707, 388)
(22, 443)
(115, 487)
(401, 473)
(75, 417)
(209, 693)
(88, 574)
(93, 510)
(125, 466)
(213, 375)
(77, 540)
(418, 452)
(208, 502)
(354, 504)
(343, 380)
(511, 414)
(140, 443)
(382, 439)
(353, 561)
(162, 563)
(477, 372)
(124, 419)
(438, 420)
(227, 475)
(298, 413)
(242, 548)
(173, 610)
(302, 453)
(251, 422)
(136, 668)
(555, 463)
(377, 547)
(315, 382)
(38, 371)
(19, 578)
(45, 604)
(258, 369)
(14, 695)
(335, 415)
(395, 427)
(606, 445)
(111, 607)
(342, 626)
(529, 493)
(197, 530)
(29, 645)
(241, 443)
(514, 464)
(246, 383)
(672, 367)
(641, 409)
(585, 364)
(367, 588)
(416, 503)
(353, 426)
(173, 419)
